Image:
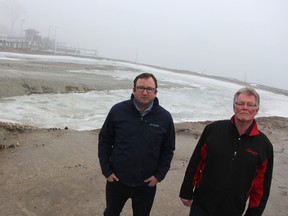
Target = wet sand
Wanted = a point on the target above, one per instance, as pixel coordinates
(56, 172)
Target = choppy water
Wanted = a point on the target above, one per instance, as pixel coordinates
(192, 99)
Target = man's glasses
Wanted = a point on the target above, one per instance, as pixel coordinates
(242, 104)
(148, 89)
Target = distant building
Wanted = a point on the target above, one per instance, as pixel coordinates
(34, 41)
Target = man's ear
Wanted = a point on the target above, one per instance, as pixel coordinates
(134, 89)
(257, 110)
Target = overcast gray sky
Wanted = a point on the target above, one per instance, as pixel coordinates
(244, 39)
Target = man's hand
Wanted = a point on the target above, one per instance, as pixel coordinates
(186, 202)
(152, 181)
(112, 178)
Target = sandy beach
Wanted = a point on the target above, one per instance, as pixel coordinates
(55, 172)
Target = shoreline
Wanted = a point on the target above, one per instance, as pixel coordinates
(24, 85)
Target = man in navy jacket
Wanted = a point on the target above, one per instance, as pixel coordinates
(232, 162)
(136, 146)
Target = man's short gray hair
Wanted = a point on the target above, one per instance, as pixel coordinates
(249, 91)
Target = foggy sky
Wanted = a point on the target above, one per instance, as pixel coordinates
(244, 39)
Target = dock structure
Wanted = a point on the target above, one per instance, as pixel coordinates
(13, 41)
(33, 41)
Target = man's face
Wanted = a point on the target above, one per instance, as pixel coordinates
(144, 92)
(245, 108)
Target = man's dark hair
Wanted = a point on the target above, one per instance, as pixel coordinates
(145, 76)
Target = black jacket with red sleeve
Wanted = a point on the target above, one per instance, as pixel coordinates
(226, 169)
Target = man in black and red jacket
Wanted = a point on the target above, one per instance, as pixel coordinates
(232, 162)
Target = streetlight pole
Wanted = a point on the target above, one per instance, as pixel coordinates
(22, 21)
(50, 26)
(48, 38)
(55, 44)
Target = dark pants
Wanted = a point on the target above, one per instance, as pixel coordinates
(117, 194)
(196, 210)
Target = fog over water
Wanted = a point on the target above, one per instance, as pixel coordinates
(246, 40)
(191, 98)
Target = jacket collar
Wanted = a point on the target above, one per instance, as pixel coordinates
(252, 130)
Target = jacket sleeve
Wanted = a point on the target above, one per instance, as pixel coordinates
(188, 185)
(260, 190)
(105, 145)
(167, 152)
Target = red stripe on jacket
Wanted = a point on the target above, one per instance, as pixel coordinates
(257, 189)
(200, 167)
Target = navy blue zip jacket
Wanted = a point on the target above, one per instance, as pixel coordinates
(226, 169)
(134, 147)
